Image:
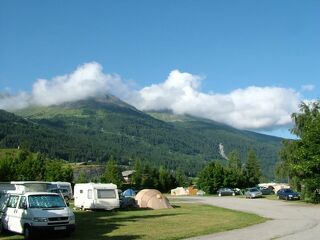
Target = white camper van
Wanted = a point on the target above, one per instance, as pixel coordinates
(32, 212)
(96, 196)
(29, 209)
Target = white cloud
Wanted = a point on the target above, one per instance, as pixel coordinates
(249, 108)
(252, 108)
(308, 87)
(15, 102)
(87, 80)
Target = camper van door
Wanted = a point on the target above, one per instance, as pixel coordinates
(14, 213)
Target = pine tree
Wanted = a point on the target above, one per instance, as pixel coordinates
(234, 160)
(211, 178)
(137, 175)
(112, 174)
(253, 171)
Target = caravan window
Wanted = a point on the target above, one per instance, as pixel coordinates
(106, 193)
(90, 194)
(13, 201)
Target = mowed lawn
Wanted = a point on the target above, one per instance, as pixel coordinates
(184, 220)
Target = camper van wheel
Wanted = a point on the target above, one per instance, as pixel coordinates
(27, 233)
(1, 227)
(67, 233)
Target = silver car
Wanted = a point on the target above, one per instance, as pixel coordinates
(253, 193)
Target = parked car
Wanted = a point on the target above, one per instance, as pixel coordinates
(237, 191)
(253, 193)
(225, 192)
(265, 190)
(288, 194)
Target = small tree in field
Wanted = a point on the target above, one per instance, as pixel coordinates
(112, 174)
(211, 178)
(252, 169)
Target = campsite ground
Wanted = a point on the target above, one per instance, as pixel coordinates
(193, 216)
(185, 220)
(288, 220)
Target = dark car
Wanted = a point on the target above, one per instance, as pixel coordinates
(265, 190)
(225, 192)
(288, 194)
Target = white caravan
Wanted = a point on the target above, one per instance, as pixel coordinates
(96, 196)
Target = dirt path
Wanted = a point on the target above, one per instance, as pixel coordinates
(289, 220)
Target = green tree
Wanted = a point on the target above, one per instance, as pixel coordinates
(234, 160)
(300, 159)
(211, 178)
(31, 167)
(234, 174)
(82, 178)
(67, 173)
(181, 178)
(112, 174)
(165, 180)
(57, 170)
(150, 177)
(137, 175)
(252, 169)
(7, 170)
(53, 171)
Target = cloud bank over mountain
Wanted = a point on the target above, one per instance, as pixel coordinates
(253, 108)
(249, 108)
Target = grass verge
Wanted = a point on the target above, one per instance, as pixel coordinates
(185, 220)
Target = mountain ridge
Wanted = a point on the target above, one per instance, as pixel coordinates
(99, 129)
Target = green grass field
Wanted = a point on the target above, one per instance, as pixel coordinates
(185, 220)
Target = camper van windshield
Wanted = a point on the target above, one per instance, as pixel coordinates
(106, 193)
(46, 201)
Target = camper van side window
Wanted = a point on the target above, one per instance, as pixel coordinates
(13, 201)
(106, 193)
(22, 203)
(90, 194)
(81, 191)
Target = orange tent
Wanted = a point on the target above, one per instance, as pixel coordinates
(152, 198)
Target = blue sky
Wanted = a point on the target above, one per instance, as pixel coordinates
(226, 45)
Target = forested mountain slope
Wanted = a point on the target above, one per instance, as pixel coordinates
(98, 129)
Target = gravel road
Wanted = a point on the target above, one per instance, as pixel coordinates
(289, 220)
